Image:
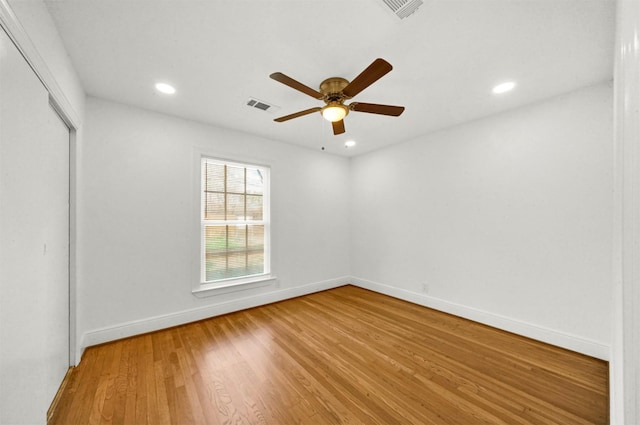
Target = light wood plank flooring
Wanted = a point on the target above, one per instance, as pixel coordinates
(343, 356)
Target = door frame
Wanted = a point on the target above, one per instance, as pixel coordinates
(63, 121)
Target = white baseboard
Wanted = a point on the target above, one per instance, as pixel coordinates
(550, 336)
(137, 327)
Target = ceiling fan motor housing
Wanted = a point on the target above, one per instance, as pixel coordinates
(332, 89)
(334, 110)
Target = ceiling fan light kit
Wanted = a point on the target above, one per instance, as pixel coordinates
(335, 91)
(334, 111)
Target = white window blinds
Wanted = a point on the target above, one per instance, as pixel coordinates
(234, 220)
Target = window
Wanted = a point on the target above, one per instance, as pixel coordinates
(234, 222)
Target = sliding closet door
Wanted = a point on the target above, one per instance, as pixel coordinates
(34, 243)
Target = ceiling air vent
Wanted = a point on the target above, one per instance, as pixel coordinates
(403, 8)
(259, 104)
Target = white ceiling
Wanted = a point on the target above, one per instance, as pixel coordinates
(446, 58)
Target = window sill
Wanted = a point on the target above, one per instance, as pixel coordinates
(233, 285)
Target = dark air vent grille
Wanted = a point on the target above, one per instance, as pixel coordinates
(259, 104)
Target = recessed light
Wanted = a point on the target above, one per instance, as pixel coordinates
(349, 144)
(165, 88)
(504, 87)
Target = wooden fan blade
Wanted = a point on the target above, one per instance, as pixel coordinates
(297, 114)
(373, 108)
(288, 81)
(373, 73)
(338, 127)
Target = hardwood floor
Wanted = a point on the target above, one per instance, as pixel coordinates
(343, 356)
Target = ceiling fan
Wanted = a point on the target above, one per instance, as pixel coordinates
(335, 91)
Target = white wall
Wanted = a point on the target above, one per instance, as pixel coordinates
(507, 220)
(38, 24)
(34, 27)
(137, 208)
(35, 352)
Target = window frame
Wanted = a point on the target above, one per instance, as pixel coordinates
(203, 288)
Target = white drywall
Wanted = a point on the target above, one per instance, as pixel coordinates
(137, 207)
(38, 24)
(34, 341)
(509, 215)
(36, 34)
